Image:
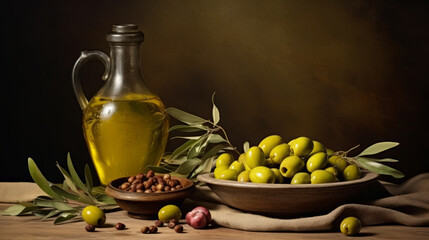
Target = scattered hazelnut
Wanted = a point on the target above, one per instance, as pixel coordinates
(120, 226)
(145, 229)
(159, 223)
(171, 224)
(178, 228)
(89, 228)
(153, 229)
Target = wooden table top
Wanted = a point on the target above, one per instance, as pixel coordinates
(31, 227)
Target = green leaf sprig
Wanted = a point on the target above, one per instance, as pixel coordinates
(371, 163)
(197, 155)
(63, 201)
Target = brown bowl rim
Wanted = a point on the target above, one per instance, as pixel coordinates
(117, 193)
(209, 179)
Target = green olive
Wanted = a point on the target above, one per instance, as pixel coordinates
(338, 162)
(291, 165)
(350, 226)
(351, 172)
(278, 174)
(242, 158)
(322, 176)
(262, 174)
(228, 174)
(301, 178)
(244, 176)
(270, 163)
(168, 212)
(218, 170)
(237, 166)
(317, 161)
(280, 152)
(268, 143)
(301, 146)
(333, 170)
(254, 158)
(93, 215)
(225, 159)
(317, 147)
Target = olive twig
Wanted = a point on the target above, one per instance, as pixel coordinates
(226, 135)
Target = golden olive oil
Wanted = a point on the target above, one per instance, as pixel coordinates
(125, 135)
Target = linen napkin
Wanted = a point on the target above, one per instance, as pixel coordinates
(405, 204)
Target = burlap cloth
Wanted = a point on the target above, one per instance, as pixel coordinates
(405, 204)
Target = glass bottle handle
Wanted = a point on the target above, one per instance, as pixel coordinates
(84, 57)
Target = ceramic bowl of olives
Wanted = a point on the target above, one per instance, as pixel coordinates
(289, 200)
(143, 195)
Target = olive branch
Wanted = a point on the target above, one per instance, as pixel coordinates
(198, 154)
(63, 201)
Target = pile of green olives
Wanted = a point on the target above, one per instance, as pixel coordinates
(300, 161)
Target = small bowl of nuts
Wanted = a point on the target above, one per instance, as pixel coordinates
(143, 195)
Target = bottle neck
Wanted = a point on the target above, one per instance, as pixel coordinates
(125, 62)
(125, 74)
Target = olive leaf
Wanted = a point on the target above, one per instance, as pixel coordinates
(215, 112)
(40, 180)
(378, 147)
(185, 117)
(17, 210)
(64, 193)
(189, 128)
(378, 167)
(88, 178)
(246, 146)
(75, 176)
(187, 167)
(183, 148)
(65, 216)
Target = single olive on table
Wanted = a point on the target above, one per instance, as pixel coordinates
(299, 161)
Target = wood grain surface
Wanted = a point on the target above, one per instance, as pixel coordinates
(30, 227)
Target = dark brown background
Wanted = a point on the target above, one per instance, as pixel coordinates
(341, 72)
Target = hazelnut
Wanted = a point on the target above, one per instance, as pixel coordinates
(167, 177)
(140, 176)
(178, 228)
(145, 229)
(89, 228)
(150, 174)
(166, 188)
(147, 184)
(171, 224)
(136, 181)
(120, 226)
(147, 191)
(125, 185)
(139, 186)
(159, 223)
(153, 229)
(139, 191)
(131, 179)
(160, 186)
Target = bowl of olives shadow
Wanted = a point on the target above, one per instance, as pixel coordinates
(289, 200)
(145, 205)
